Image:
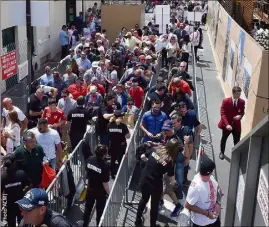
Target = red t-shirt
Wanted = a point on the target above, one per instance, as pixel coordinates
(137, 94)
(77, 91)
(53, 117)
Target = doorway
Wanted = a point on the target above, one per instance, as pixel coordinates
(70, 11)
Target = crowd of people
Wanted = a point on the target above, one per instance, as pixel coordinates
(105, 85)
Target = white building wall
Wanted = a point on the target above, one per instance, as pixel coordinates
(46, 39)
(87, 4)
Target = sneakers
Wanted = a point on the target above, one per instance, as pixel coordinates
(177, 210)
(160, 204)
(221, 155)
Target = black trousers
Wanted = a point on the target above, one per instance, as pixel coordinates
(13, 213)
(195, 52)
(164, 58)
(93, 196)
(155, 199)
(225, 135)
(65, 50)
(117, 153)
(215, 224)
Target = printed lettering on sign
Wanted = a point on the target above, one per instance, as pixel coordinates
(262, 197)
(9, 65)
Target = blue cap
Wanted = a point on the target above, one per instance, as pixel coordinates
(36, 197)
(167, 125)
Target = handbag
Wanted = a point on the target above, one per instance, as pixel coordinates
(48, 174)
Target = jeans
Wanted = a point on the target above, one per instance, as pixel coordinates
(180, 174)
(52, 163)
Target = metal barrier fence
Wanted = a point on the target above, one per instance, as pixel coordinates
(60, 195)
(19, 50)
(119, 191)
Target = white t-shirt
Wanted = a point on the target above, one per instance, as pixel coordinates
(47, 141)
(21, 115)
(171, 49)
(46, 89)
(199, 195)
(195, 38)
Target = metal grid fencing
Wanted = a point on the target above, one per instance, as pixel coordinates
(61, 191)
(20, 48)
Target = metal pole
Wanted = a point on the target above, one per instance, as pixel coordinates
(162, 20)
(29, 43)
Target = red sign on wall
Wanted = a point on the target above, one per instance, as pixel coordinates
(9, 65)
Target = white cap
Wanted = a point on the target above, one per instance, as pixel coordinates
(95, 64)
(148, 57)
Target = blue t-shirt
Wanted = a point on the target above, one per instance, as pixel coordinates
(45, 79)
(184, 131)
(190, 119)
(153, 123)
(63, 38)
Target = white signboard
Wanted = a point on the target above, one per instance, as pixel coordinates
(240, 196)
(23, 70)
(262, 196)
(195, 16)
(39, 13)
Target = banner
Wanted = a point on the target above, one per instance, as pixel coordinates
(225, 60)
(231, 64)
(9, 65)
(240, 56)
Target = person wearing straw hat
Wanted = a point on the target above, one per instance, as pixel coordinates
(204, 195)
(35, 212)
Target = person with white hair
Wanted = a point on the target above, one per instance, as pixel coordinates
(47, 77)
(9, 107)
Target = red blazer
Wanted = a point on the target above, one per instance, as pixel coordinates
(228, 112)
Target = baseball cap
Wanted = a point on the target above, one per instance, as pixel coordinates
(36, 197)
(207, 166)
(95, 64)
(118, 113)
(167, 125)
(148, 57)
(93, 89)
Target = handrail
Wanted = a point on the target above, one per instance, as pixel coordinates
(196, 101)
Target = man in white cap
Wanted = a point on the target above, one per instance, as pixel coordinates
(94, 72)
(93, 98)
(149, 63)
(204, 195)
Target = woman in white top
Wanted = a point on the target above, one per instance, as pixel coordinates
(86, 31)
(172, 50)
(13, 132)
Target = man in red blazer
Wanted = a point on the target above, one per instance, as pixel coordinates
(232, 110)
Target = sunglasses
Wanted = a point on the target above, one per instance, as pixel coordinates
(64, 96)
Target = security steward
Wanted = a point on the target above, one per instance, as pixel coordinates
(13, 184)
(159, 162)
(35, 212)
(98, 189)
(118, 132)
(77, 120)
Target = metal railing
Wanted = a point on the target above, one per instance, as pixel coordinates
(60, 193)
(119, 191)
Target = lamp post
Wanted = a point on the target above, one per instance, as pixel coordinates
(29, 43)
